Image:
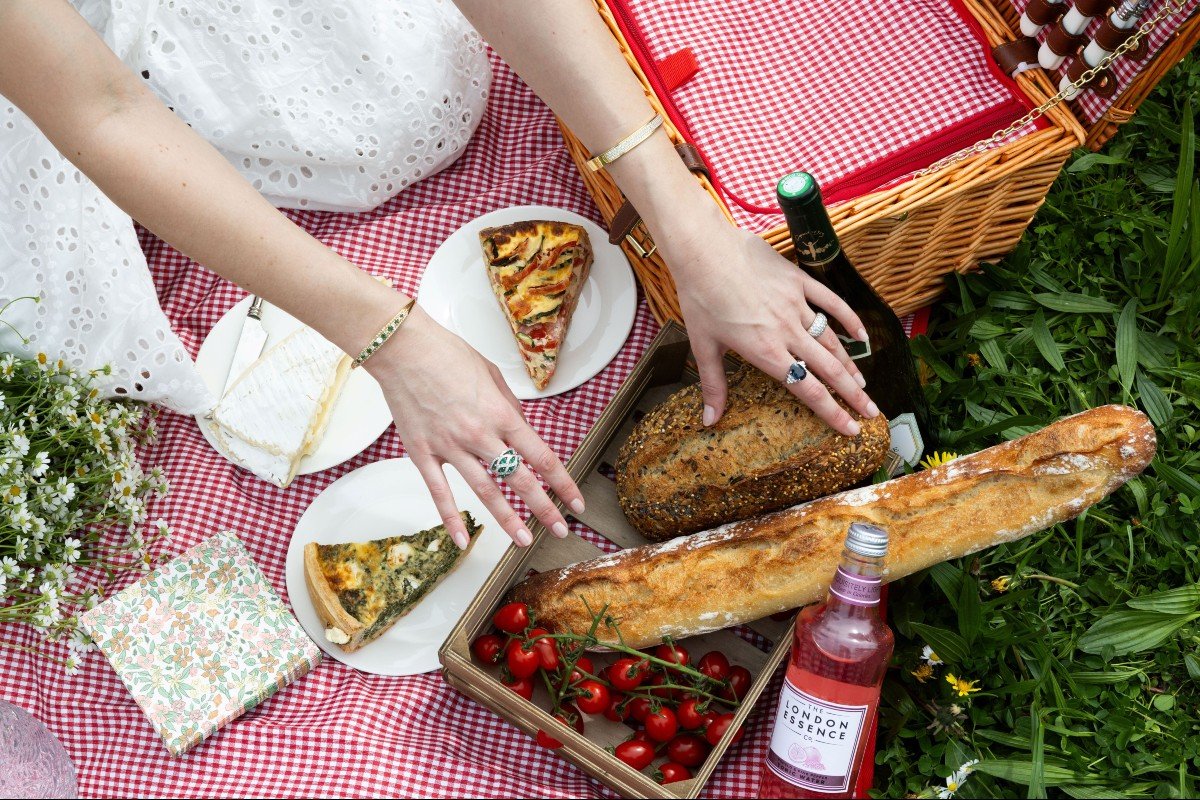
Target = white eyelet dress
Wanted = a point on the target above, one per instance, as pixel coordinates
(320, 106)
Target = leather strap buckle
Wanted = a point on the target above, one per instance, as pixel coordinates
(637, 246)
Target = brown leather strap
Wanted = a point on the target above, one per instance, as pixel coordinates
(1011, 55)
(623, 223)
(1103, 84)
(627, 217)
(1044, 12)
(1110, 37)
(1093, 8)
(1062, 43)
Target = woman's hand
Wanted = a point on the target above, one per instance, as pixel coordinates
(452, 406)
(737, 293)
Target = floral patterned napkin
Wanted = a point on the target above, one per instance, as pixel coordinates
(201, 640)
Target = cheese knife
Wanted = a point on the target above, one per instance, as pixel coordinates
(250, 344)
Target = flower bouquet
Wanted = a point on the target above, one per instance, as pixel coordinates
(72, 496)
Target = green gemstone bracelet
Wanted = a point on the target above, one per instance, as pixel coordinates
(385, 334)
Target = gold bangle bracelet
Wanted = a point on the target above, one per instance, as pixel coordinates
(625, 145)
(384, 334)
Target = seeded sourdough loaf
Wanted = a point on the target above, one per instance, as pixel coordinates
(748, 570)
(768, 452)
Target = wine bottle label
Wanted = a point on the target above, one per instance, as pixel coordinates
(907, 442)
(858, 590)
(854, 347)
(814, 741)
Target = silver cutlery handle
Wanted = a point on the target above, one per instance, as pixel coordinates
(255, 311)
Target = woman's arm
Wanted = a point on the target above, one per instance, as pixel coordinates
(736, 293)
(450, 406)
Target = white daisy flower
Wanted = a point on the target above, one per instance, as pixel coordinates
(930, 657)
(8, 567)
(71, 665)
(7, 363)
(19, 444)
(71, 550)
(957, 779)
(21, 518)
(40, 464)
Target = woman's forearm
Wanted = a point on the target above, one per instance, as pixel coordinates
(100, 116)
(570, 59)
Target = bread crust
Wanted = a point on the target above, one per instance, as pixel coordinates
(749, 570)
(767, 452)
(325, 601)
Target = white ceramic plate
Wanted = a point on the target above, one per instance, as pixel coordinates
(388, 498)
(455, 291)
(361, 412)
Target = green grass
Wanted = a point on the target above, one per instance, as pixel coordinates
(1089, 662)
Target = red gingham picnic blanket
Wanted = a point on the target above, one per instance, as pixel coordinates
(338, 732)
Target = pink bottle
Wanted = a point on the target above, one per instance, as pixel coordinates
(831, 690)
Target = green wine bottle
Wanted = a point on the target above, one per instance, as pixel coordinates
(886, 361)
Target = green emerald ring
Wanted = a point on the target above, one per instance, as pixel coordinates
(505, 464)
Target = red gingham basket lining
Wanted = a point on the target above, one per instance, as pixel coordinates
(860, 94)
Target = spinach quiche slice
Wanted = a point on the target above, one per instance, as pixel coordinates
(537, 270)
(360, 589)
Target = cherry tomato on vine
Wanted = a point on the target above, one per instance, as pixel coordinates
(661, 725)
(716, 729)
(707, 718)
(522, 686)
(569, 715)
(715, 665)
(489, 649)
(739, 684)
(593, 698)
(687, 749)
(512, 618)
(634, 753)
(626, 674)
(546, 648)
(522, 663)
(639, 708)
(671, 772)
(618, 708)
(582, 665)
(690, 717)
(673, 653)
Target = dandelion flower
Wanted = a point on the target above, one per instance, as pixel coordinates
(962, 687)
(930, 657)
(922, 673)
(1001, 584)
(936, 459)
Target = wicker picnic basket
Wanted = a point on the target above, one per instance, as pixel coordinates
(905, 239)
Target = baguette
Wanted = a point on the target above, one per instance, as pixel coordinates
(768, 451)
(747, 570)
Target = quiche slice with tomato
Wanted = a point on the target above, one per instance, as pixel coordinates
(360, 589)
(537, 270)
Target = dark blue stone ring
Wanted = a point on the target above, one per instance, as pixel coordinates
(796, 373)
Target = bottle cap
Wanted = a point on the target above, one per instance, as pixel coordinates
(867, 540)
(799, 187)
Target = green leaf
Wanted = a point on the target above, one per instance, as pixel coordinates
(1037, 759)
(1044, 340)
(1132, 631)
(1089, 160)
(949, 646)
(991, 351)
(948, 578)
(1193, 666)
(1127, 344)
(1179, 481)
(1092, 792)
(1075, 303)
(1019, 771)
(1181, 600)
(1163, 702)
(970, 610)
(1154, 401)
(1109, 677)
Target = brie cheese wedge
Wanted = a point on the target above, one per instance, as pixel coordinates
(276, 412)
